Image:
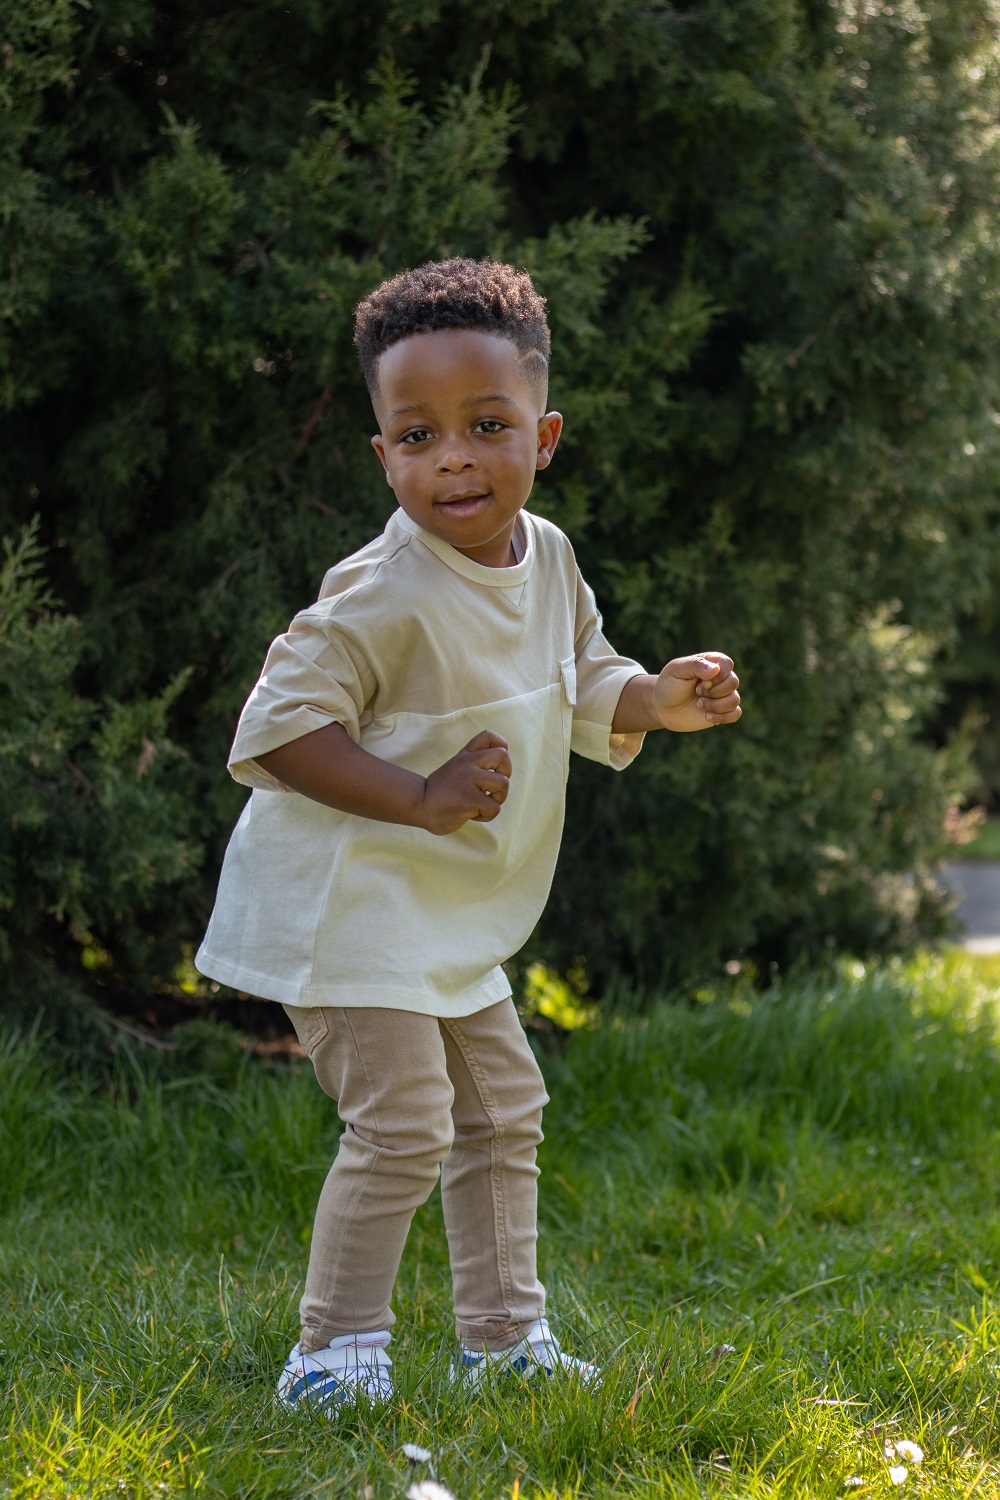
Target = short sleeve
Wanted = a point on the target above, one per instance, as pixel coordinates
(313, 676)
(601, 674)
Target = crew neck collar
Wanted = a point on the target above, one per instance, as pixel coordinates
(495, 578)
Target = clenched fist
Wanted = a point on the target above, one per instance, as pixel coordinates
(691, 693)
(471, 787)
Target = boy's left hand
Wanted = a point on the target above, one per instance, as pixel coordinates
(696, 692)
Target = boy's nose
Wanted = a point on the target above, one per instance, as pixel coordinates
(455, 459)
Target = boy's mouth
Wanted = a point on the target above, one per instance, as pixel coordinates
(469, 504)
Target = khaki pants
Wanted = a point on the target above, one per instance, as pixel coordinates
(418, 1094)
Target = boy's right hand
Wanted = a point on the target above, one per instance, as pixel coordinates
(329, 767)
(471, 787)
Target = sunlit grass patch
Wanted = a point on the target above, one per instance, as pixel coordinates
(66, 1454)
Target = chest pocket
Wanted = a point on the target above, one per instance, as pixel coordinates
(567, 672)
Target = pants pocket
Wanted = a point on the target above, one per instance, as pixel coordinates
(311, 1024)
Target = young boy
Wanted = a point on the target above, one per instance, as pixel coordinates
(408, 745)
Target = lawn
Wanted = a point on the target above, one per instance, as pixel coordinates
(772, 1218)
(985, 843)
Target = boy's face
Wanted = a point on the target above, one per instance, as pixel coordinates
(462, 436)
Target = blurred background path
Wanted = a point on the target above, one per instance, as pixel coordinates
(977, 885)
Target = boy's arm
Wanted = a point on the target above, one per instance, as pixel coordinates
(329, 767)
(692, 692)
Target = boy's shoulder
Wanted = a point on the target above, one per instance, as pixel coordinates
(368, 565)
(551, 544)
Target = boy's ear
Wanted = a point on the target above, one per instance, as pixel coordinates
(378, 443)
(549, 429)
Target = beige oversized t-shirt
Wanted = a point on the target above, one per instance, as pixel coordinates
(414, 649)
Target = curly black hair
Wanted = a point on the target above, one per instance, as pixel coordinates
(457, 293)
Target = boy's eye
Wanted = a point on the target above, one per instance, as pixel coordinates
(420, 435)
(489, 426)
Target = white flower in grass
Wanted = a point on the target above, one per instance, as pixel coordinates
(912, 1451)
(429, 1489)
(888, 1451)
(898, 1473)
(416, 1454)
(853, 1482)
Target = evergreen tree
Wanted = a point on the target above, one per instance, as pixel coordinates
(766, 231)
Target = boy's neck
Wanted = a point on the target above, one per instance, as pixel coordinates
(501, 551)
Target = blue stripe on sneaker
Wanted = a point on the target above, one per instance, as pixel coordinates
(523, 1363)
(315, 1377)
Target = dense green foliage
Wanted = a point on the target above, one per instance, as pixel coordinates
(91, 818)
(806, 1177)
(767, 231)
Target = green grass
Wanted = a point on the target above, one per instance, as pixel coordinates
(985, 845)
(808, 1176)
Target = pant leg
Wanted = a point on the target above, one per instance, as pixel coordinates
(388, 1072)
(489, 1179)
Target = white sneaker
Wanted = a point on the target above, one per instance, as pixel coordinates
(538, 1353)
(332, 1376)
